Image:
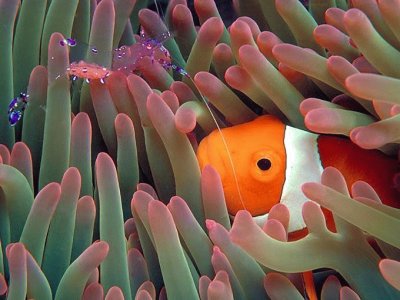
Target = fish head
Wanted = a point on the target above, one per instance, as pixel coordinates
(251, 161)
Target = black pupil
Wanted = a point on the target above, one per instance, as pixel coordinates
(264, 164)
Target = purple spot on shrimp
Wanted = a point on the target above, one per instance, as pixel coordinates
(71, 42)
(16, 108)
(14, 117)
(68, 42)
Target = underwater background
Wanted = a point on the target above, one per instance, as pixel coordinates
(130, 137)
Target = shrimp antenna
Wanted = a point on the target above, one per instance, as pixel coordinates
(205, 101)
(159, 9)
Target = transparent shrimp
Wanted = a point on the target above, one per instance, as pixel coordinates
(125, 59)
(16, 108)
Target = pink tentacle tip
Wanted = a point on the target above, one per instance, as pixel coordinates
(365, 138)
(114, 293)
(240, 28)
(8, 248)
(216, 250)
(247, 51)
(307, 187)
(210, 224)
(390, 271)
(314, 119)
(354, 16)
(348, 293)
(354, 132)
(395, 110)
(275, 229)
(185, 120)
(174, 203)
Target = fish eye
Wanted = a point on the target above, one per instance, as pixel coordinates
(264, 164)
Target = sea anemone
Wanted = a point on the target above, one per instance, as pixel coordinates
(101, 193)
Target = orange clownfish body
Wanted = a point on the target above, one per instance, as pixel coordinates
(272, 161)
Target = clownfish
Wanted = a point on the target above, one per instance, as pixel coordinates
(272, 160)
